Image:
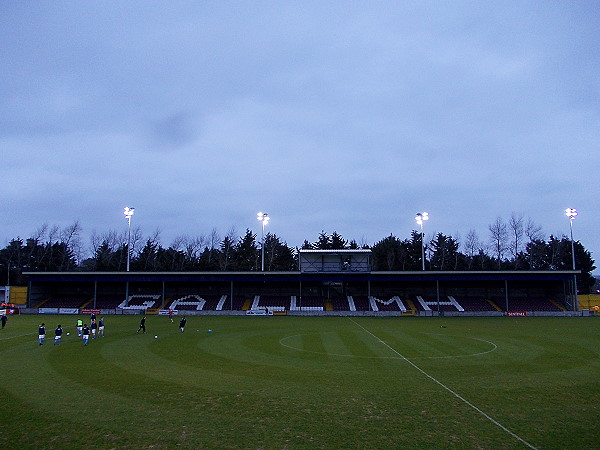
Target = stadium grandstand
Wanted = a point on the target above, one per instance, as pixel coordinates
(328, 282)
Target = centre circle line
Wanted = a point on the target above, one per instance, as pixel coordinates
(494, 347)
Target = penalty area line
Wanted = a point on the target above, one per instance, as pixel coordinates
(439, 383)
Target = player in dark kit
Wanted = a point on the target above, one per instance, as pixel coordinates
(57, 334)
(101, 327)
(94, 327)
(4, 319)
(142, 325)
(182, 324)
(86, 333)
(41, 333)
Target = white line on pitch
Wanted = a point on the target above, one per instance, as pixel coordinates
(17, 336)
(458, 396)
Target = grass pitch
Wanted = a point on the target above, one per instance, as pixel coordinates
(303, 382)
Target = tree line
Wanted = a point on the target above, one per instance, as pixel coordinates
(514, 244)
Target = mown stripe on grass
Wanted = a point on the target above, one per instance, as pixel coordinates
(334, 344)
(362, 346)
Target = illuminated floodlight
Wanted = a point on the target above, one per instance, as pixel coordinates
(128, 213)
(264, 220)
(571, 213)
(420, 218)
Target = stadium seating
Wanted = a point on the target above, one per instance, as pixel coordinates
(74, 302)
(361, 302)
(531, 304)
(385, 303)
(307, 303)
(139, 302)
(393, 304)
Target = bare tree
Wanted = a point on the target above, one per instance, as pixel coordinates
(71, 237)
(214, 239)
(53, 234)
(137, 237)
(39, 234)
(154, 237)
(516, 227)
(498, 239)
(192, 246)
(533, 231)
(472, 245)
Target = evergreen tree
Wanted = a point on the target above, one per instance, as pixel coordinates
(445, 253)
(246, 254)
(323, 243)
(278, 256)
(337, 242)
(226, 254)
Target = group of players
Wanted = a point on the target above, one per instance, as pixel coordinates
(83, 330)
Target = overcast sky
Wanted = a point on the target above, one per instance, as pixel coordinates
(328, 115)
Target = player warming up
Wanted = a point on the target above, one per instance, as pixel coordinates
(94, 327)
(142, 325)
(182, 324)
(41, 333)
(86, 334)
(101, 327)
(57, 334)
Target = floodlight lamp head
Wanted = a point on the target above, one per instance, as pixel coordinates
(420, 217)
(571, 213)
(129, 212)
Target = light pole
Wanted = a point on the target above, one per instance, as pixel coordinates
(264, 220)
(8, 267)
(420, 218)
(128, 213)
(571, 213)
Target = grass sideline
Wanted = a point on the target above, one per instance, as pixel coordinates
(303, 382)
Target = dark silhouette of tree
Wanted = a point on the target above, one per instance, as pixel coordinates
(226, 254)
(147, 258)
(337, 242)
(278, 256)
(498, 239)
(323, 242)
(307, 245)
(385, 254)
(445, 255)
(246, 253)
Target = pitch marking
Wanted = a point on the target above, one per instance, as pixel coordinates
(345, 355)
(439, 383)
(18, 336)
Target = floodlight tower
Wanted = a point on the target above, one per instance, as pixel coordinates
(128, 213)
(571, 213)
(264, 219)
(420, 218)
